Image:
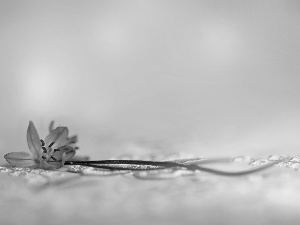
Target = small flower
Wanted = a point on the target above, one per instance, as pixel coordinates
(49, 154)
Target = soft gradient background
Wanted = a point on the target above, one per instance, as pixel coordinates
(138, 77)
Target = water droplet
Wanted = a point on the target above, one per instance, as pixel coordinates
(76, 168)
(102, 172)
(156, 175)
(18, 169)
(295, 166)
(39, 171)
(163, 174)
(242, 159)
(281, 164)
(276, 157)
(259, 162)
(295, 159)
(5, 169)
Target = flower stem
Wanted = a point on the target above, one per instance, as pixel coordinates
(164, 164)
(108, 164)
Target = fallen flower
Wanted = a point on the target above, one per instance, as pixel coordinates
(50, 153)
(58, 149)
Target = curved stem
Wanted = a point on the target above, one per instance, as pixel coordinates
(238, 173)
(165, 165)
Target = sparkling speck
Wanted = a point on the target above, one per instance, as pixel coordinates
(103, 172)
(276, 157)
(259, 162)
(242, 159)
(5, 169)
(295, 159)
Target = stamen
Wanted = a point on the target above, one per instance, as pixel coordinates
(56, 150)
(44, 149)
(51, 144)
(43, 143)
(53, 158)
(44, 157)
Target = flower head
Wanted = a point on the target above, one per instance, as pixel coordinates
(50, 153)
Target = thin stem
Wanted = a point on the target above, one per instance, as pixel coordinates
(238, 173)
(134, 162)
(122, 168)
(165, 165)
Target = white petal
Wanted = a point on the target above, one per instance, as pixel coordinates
(51, 126)
(72, 140)
(68, 151)
(59, 136)
(33, 141)
(21, 159)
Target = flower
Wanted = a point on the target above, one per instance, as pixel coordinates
(49, 154)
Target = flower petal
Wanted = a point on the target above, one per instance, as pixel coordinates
(33, 141)
(59, 136)
(51, 126)
(72, 140)
(21, 159)
(65, 153)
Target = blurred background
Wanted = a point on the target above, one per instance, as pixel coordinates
(210, 78)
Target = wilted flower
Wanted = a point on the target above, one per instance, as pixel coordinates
(49, 154)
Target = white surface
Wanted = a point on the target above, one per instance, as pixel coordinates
(270, 197)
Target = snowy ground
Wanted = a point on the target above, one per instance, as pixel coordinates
(268, 197)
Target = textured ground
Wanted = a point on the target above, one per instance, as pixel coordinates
(59, 197)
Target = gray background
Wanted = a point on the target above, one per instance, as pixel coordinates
(138, 77)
